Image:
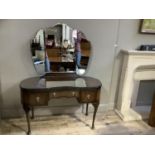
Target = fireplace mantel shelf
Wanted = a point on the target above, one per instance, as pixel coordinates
(136, 52)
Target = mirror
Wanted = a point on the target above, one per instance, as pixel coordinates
(60, 49)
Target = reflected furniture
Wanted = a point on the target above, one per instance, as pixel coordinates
(36, 92)
(53, 50)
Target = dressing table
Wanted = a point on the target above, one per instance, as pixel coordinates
(37, 91)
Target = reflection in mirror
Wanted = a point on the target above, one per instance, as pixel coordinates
(60, 49)
(79, 82)
(38, 52)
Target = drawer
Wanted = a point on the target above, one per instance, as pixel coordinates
(88, 96)
(37, 99)
(57, 94)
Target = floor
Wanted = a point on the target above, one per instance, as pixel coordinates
(79, 124)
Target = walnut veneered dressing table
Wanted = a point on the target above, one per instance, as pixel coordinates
(35, 93)
(61, 70)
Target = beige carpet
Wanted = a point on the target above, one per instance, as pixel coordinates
(107, 123)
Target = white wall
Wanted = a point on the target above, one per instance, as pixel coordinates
(16, 63)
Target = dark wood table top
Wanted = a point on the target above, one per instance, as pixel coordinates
(39, 83)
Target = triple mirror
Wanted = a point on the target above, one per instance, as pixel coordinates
(60, 49)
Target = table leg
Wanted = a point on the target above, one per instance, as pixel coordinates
(32, 110)
(87, 109)
(94, 115)
(28, 123)
(27, 109)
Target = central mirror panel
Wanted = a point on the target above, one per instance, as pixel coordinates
(60, 49)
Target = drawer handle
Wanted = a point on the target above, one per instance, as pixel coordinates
(54, 94)
(88, 96)
(73, 93)
(38, 99)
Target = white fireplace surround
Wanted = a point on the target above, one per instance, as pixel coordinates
(137, 65)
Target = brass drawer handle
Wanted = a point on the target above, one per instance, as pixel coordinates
(73, 93)
(88, 96)
(54, 94)
(38, 99)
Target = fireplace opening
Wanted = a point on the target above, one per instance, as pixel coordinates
(142, 97)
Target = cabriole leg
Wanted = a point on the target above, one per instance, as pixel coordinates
(94, 115)
(87, 109)
(27, 109)
(32, 109)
